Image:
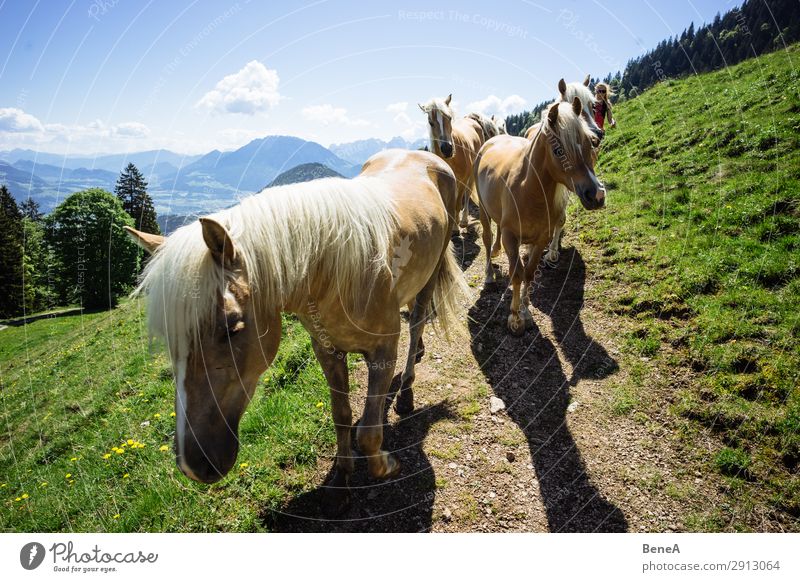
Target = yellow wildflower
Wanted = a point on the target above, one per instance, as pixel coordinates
(125, 476)
(116, 516)
(74, 459)
(130, 441)
(68, 475)
(24, 496)
(107, 456)
(156, 415)
(172, 415)
(244, 465)
(319, 405)
(163, 448)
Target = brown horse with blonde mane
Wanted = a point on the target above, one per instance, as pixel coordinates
(518, 180)
(326, 251)
(456, 142)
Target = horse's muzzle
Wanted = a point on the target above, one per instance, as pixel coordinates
(593, 198)
(447, 149)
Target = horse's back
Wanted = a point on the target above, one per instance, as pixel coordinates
(498, 169)
(416, 174)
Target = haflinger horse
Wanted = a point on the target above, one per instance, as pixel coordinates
(517, 181)
(456, 142)
(567, 93)
(325, 251)
(500, 124)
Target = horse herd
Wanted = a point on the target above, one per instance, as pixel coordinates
(344, 256)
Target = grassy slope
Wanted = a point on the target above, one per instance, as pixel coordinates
(76, 387)
(701, 250)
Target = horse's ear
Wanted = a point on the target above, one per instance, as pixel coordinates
(421, 106)
(449, 98)
(149, 242)
(576, 106)
(562, 86)
(219, 242)
(586, 80)
(552, 115)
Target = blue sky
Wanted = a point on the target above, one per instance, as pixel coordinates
(107, 76)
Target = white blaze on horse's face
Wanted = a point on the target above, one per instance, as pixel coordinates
(571, 154)
(216, 380)
(440, 129)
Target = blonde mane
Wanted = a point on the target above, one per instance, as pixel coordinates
(572, 130)
(333, 231)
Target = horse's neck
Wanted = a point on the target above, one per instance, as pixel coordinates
(538, 181)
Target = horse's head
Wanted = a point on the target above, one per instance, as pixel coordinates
(440, 122)
(570, 153)
(500, 124)
(200, 301)
(567, 94)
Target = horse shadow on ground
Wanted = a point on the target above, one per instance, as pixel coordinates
(527, 375)
(402, 504)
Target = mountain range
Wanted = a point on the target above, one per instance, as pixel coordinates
(181, 184)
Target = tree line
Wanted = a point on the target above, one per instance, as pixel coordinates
(78, 254)
(741, 33)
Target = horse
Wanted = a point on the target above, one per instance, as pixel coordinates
(517, 181)
(488, 125)
(567, 93)
(343, 256)
(456, 142)
(500, 124)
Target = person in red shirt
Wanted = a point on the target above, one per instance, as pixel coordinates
(602, 108)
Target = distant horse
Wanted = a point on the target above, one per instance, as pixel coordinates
(457, 142)
(517, 181)
(343, 256)
(500, 124)
(488, 125)
(567, 94)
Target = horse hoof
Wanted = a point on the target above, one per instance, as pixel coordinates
(516, 325)
(335, 501)
(393, 466)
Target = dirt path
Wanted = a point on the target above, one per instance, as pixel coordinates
(557, 458)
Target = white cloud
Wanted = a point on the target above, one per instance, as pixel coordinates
(328, 114)
(130, 129)
(15, 120)
(396, 108)
(494, 105)
(254, 89)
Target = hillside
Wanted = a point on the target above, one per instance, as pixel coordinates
(304, 173)
(700, 250)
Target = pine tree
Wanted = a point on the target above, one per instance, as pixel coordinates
(131, 189)
(30, 209)
(10, 255)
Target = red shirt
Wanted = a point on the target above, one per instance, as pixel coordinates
(600, 109)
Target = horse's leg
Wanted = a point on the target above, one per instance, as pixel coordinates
(405, 399)
(381, 364)
(554, 250)
(334, 366)
(465, 211)
(486, 234)
(420, 343)
(531, 268)
(516, 324)
(498, 245)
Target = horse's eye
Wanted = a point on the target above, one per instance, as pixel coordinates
(234, 329)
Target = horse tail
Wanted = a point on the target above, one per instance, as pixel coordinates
(450, 292)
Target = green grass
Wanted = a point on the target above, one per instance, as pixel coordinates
(74, 389)
(700, 248)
